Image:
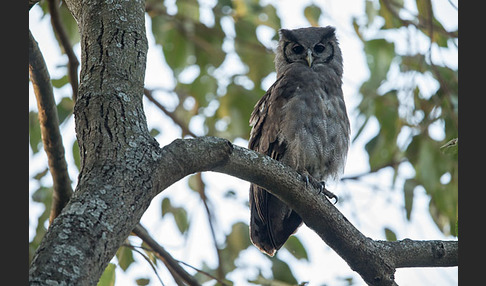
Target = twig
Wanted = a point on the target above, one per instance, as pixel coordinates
(61, 34)
(201, 190)
(171, 115)
(32, 3)
(163, 255)
(147, 259)
(49, 124)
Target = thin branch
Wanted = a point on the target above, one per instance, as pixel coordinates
(49, 123)
(171, 115)
(163, 255)
(202, 193)
(32, 3)
(146, 259)
(62, 36)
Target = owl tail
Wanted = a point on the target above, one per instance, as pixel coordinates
(271, 221)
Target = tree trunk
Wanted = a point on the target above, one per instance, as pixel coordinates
(118, 155)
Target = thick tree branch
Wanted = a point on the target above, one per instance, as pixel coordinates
(49, 124)
(375, 261)
(424, 253)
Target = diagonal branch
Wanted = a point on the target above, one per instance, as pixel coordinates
(49, 123)
(175, 119)
(61, 34)
(375, 261)
(202, 193)
(174, 268)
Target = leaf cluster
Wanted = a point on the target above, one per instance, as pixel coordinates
(413, 96)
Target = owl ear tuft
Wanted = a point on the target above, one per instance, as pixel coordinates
(286, 34)
(329, 31)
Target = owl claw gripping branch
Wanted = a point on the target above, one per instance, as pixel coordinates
(309, 180)
(302, 122)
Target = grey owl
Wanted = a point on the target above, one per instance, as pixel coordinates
(301, 121)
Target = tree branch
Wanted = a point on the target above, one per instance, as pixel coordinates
(49, 124)
(62, 36)
(375, 261)
(175, 269)
(171, 115)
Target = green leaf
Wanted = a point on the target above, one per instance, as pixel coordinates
(177, 49)
(382, 149)
(181, 219)
(166, 206)
(125, 257)
(295, 247)
(379, 55)
(76, 155)
(282, 272)
(154, 132)
(188, 9)
(371, 11)
(312, 13)
(408, 188)
(391, 21)
(143, 281)
(236, 241)
(41, 174)
(34, 132)
(108, 276)
(390, 235)
(208, 43)
(65, 109)
(60, 82)
(179, 214)
(252, 52)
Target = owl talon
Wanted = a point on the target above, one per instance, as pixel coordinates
(327, 193)
(309, 180)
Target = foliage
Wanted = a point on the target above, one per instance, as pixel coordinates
(410, 94)
(409, 113)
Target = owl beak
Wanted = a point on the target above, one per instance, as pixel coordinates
(309, 57)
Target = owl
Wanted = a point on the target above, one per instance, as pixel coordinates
(302, 122)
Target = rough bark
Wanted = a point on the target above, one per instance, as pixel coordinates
(123, 168)
(118, 155)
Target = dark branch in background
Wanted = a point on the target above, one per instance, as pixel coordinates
(175, 119)
(61, 34)
(49, 124)
(172, 264)
(202, 193)
(32, 3)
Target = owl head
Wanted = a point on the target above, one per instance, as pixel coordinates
(315, 47)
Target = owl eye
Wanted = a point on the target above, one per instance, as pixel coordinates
(319, 48)
(298, 49)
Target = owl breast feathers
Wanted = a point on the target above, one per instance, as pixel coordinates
(302, 122)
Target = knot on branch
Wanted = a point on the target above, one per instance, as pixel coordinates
(438, 250)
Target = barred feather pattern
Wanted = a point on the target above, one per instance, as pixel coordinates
(302, 122)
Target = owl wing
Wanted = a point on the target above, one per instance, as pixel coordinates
(271, 222)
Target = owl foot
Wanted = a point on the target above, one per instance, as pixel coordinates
(329, 194)
(309, 180)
